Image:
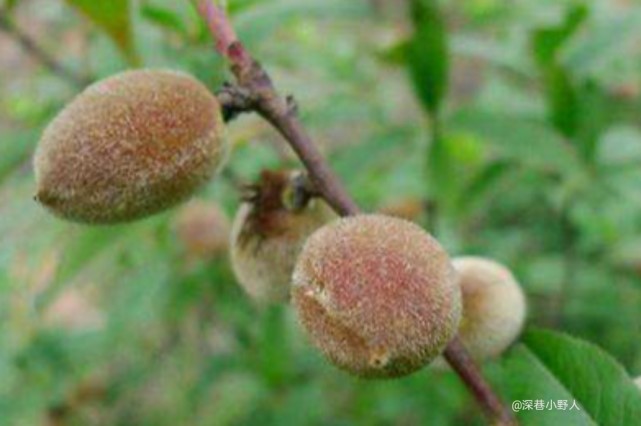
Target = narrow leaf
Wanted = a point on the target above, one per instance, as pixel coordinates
(548, 41)
(561, 96)
(427, 55)
(563, 107)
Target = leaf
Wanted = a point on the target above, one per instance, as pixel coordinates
(554, 366)
(525, 378)
(427, 55)
(113, 17)
(396, 54)
(526, 141)
(563, 107)
(596, 379)
(547, 41)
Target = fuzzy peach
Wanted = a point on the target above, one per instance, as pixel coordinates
(377, 295)
(129, 146)
(268, 232)
(494, 306)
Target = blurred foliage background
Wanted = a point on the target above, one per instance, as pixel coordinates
(514, 133)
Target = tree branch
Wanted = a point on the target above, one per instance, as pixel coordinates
(460, 360)
(256, 92)
(32, 48)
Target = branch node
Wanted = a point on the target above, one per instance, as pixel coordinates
(234, 100)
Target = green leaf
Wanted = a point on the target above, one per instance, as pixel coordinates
(427, 55)
(523, 378)
(396, 54)
(563, 107)
(553, 366)
(526, 141)
(562, 100)
(113, 17)
(547, 41)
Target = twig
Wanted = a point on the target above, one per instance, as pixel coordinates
(32, 48)
(460, 360)
(256, 92)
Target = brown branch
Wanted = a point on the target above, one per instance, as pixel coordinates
(32, 48)
(256, 92)
(460, 360)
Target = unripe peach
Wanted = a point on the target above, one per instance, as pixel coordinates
(638, 381)
(129, 146)
(377, 295)
(269, 230)
(203, 229)
(494, 306)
